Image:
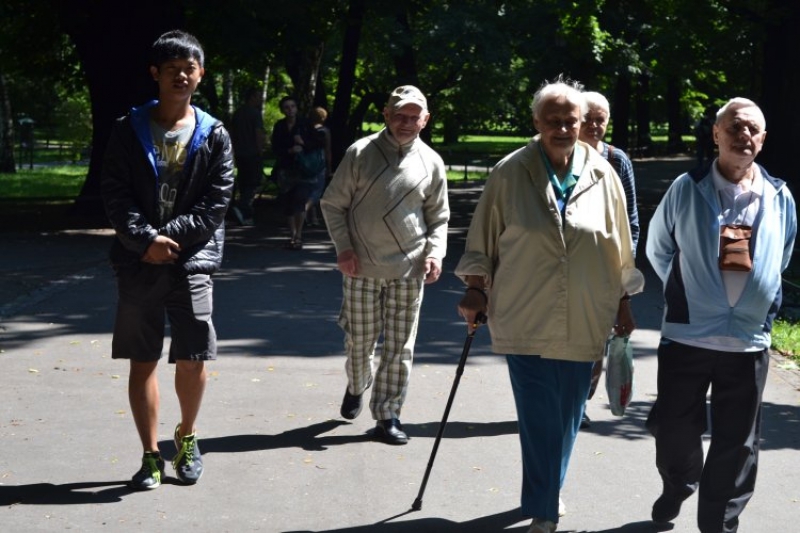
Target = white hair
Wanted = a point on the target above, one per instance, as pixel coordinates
(561, 87)
(597, 100)
(739, 102)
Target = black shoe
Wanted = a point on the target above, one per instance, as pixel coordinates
(586, 422)
(666, 509)
(351, 403)
(390, 432)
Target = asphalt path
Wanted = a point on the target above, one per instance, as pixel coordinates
(278, 456)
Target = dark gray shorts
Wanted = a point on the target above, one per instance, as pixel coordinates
(147, 294)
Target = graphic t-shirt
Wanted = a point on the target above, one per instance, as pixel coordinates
(171, 152)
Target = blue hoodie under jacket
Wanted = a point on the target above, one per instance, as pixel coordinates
(130, 185)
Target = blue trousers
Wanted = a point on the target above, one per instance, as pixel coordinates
(550, 396)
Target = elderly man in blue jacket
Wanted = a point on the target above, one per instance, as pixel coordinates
(719, 241)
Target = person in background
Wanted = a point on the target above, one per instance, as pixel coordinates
(593, 130)
(704, 138)
(167, 181)
(290, 137)
(719, 240)
(548, 259)
(247, 135)
(282, 139)
(322, 134)
(387, 211)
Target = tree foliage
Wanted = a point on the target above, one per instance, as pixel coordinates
(658, 61)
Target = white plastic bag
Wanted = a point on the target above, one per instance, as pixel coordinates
(619, 373)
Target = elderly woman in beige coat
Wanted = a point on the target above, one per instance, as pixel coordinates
(549, 260)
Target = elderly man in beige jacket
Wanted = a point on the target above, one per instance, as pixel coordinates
(386, 210)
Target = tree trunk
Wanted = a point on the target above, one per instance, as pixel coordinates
(674, 123)
(643, 139)
(621, 112)
(228, 95)
(405, 63)
(265, 91)
(780, 79)
(6, 130)
(113, 40)
(341, 136)
(303, 68)
(357, 120)
(451, 130)
(213, 104)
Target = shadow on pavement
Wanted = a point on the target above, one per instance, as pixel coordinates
(66, 494)
(312, 438)
(496, 522)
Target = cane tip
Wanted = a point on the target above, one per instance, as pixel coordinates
(417, 505)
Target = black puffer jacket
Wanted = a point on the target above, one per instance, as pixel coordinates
(130, 193)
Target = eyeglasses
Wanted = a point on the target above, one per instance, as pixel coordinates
(402, 119)
(738, 127)
(557, 124)
(596, 120)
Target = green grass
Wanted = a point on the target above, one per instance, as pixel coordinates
(478, 149)
(51, 182)
(786, 339)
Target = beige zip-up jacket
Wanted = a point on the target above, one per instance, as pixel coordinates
(554, 289)
(388, 203)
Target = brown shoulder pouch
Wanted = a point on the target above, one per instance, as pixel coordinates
(734, 248)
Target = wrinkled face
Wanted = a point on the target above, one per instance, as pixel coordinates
(177, 78)
(559, 123)
(740, 134)
(405, 123)
(594, 128)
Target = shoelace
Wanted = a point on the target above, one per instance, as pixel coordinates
(187, 450)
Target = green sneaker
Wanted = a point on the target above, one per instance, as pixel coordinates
(149, 476)
(188, 462)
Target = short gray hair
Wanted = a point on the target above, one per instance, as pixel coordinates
(597, 100)
(736, 103)
(561, 87)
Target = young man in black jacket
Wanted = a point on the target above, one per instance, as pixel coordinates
(166, 185)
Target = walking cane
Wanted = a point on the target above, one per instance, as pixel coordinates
(480, 318)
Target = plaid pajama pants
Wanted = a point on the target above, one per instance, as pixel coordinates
(371, 307)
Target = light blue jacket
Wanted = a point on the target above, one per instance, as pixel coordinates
(683, 248)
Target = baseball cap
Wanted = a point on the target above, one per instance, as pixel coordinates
(407, 94)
